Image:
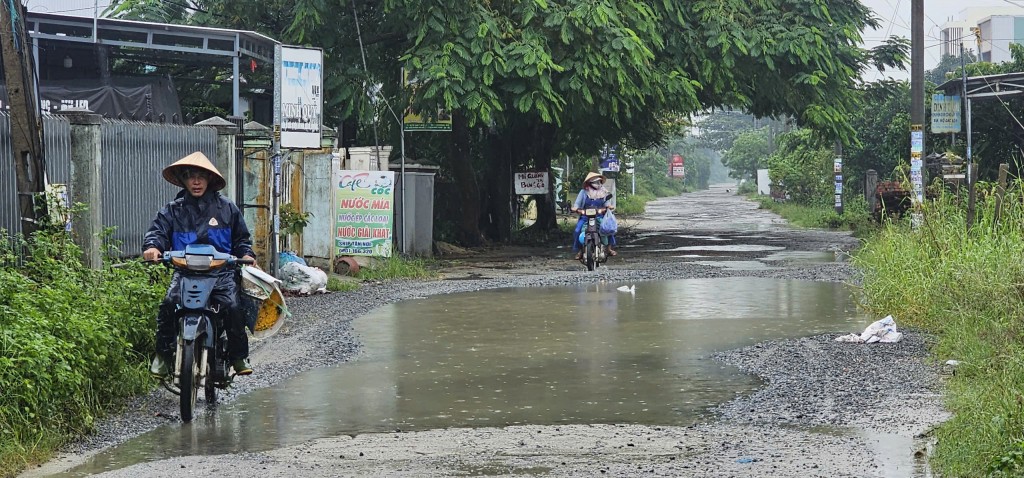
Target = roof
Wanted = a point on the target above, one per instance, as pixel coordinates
(149, 35)
(987, 86)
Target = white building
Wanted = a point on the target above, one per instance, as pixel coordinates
(953, 32)
(997, 32)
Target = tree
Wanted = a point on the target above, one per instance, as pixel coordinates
(529, 80)
(803, 166)
(748, 153)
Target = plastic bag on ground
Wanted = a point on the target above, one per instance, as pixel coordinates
(883, 331)
(301, 279)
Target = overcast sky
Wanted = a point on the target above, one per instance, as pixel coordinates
(895, 18)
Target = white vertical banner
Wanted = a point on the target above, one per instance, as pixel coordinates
(301, 96)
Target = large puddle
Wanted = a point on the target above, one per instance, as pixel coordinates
(559, 355)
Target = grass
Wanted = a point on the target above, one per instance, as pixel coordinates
(966, 288)
(854, 218)
(396, 267)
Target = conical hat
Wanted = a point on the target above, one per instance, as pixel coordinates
(194, 160)
(591, 176)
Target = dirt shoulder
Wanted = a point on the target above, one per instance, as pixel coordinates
(827, 409)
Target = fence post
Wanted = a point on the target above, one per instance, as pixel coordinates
(86, 183)
(225, 160)
(1001, 191)
(870, 185)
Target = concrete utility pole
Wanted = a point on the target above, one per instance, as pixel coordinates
(917, 150)
(23, 106)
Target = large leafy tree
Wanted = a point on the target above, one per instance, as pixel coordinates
(749, 152)
(527, 80)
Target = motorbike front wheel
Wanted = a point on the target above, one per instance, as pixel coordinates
(591, 255)
(189, 380)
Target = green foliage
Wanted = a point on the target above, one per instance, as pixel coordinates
(73, 343)
(395, 267)
(749, 152)
(964, 287)
(632, 205)
(803, 167)
(335, 284)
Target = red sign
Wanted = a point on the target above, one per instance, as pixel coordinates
(676, 166)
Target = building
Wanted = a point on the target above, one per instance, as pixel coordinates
(954, 32)
(997, 32)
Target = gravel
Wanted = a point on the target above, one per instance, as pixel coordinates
(858, 392)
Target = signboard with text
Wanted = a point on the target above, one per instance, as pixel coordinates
(363, 225)
(300, 73)
(414, 120)
(676, 166)
(531, 183)
(945, 114)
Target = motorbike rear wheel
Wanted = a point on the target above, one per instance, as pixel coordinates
(189, 381)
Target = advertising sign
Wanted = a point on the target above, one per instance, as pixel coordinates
(300, 72)
(945, 114)
(414, 120)
(677, 167)
(364, 213)
(609, 159)
(531, 183)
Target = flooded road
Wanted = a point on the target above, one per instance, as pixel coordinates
(515, 361)
(525, 356)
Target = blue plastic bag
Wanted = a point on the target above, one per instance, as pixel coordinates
(609, 226)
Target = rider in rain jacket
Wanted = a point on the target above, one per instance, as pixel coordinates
(199, 214)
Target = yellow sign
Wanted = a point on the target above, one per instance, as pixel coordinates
(414, 120)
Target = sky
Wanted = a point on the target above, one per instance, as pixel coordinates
(895, 18)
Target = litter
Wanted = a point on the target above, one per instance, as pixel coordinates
(883, 331)
(631, 289)
(303, 280)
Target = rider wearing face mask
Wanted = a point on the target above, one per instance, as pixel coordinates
(199, 214)
(593, 195)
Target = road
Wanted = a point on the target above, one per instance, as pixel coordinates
(825, 410)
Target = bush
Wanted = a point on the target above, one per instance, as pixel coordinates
(632, 205)
(73, 343)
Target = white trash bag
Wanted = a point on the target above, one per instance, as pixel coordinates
(301, 279)
(883, 331)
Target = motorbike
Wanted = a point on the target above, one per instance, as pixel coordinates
(201, 359)
(595, 244)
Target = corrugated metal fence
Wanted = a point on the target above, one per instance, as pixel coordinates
(56, 151)
(133, 155)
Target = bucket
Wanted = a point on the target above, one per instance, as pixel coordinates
(262, 302)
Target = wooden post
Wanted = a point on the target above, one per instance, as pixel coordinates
(870, 189)
(1001, 190)
(26, 125)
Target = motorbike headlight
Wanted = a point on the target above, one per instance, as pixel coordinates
(591, 212)
(194, 262)
(179, 262)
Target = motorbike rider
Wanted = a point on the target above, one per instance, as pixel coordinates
(593, 195)
(199, 214)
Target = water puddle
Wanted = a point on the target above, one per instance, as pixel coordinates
(737, 265)
(804, 257)
(539, 356)
(727, 248)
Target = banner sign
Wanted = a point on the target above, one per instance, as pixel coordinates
(916, 161)
(609, 159)
(531, 183)
(364, 213)
(414, 120)
(301, 78)
(945, 114)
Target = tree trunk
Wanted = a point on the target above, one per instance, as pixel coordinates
(544, 144)
(498, 184)
(469, 191)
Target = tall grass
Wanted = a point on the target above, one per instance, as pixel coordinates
(73, 344)
(966, 287)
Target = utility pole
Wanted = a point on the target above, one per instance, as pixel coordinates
(917, 152)
(23, 107)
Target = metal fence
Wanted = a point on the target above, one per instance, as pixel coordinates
(133, 154)
(56, 151)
